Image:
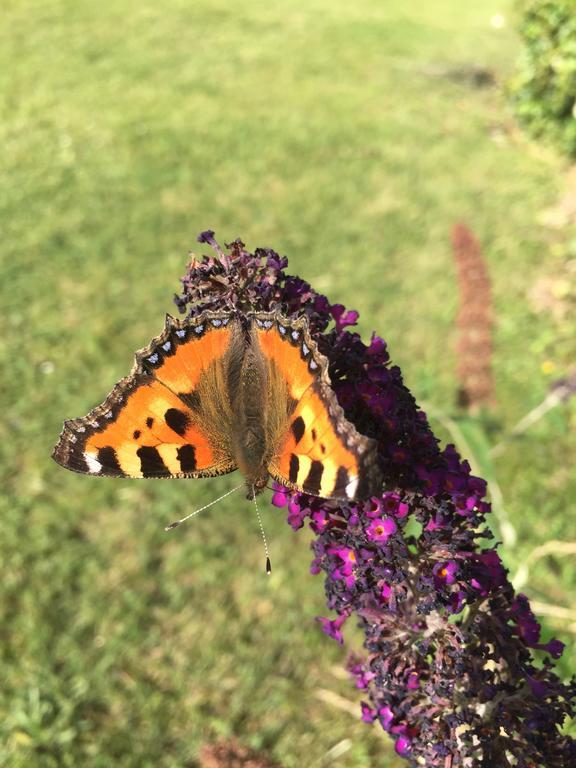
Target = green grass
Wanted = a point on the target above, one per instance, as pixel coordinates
(321, 129)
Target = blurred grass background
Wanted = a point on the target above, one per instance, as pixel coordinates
(350, 137)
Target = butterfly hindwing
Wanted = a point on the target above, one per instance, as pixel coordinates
(318, 451)
(159, 421)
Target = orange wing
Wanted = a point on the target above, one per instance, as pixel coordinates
(317, 451)
(169, 418)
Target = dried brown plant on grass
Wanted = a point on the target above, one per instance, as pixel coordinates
(231, 754)
(474, 322)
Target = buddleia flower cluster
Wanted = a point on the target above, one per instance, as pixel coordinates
(450, 670)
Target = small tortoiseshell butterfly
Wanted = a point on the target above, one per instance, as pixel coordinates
(225, 391)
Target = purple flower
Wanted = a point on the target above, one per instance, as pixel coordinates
(457, 601)
(436, 522)
(538, 688)
(403, 746)
(319, 519)
(280, 497)
(386, 717)
(385, 590)
(402, 510)
(206, 237)
(445, 573)
(381, 529)
(390, 502)
(343, 318)
(413, 681)
(347, 556)
(332, 627)
(487, 571)
(529, 629)
(362, 676)
(373, 507)
(368, 713)
(378, 349)
(296, 515)
(453, 687)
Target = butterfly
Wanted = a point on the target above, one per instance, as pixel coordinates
(224, 391)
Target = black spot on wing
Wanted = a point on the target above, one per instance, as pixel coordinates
(342, 480)
(186, 455)
(107, 457)
(151, 464)
(149, 422)
(177, 420)
(136, 434)
(314, 478)
(298, 427)
(369, 483)
(294, 467)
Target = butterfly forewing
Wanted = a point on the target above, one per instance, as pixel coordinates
(318, 451)
(155, 423)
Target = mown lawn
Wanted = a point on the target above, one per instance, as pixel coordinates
(348, 136)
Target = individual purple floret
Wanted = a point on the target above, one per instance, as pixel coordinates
(449, 670)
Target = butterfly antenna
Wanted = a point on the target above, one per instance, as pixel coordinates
(197, 512)
(268, 565)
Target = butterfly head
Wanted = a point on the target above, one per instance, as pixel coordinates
(256, 485)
